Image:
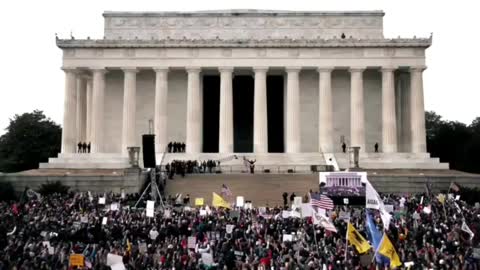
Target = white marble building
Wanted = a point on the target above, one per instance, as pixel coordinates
(284, 87)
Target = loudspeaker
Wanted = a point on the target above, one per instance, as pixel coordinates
(148, 142)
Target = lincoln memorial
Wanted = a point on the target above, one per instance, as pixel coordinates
(286, 88)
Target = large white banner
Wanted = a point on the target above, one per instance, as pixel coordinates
(372, 198)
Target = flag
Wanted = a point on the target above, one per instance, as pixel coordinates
(387, 249)
(129, 247)
(321, 201)
(356, 239)
(441, 198)
(226, 191)
(375, 237)
(322, 220)
(373, 201)
(466, 229)
(218, 201)
(454, 186)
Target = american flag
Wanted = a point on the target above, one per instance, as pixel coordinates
(321, 201)
(226, 191)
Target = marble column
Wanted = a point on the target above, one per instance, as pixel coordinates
(69, 145)
(89, 110)
(226, 111)
(293, 110)
(98, 104)
(418, 137)
(389, 120)
(325, 114)
(357, 111)
(81, 109)
(129, 108)
(260, 124)
(161, 101)
(193, 143)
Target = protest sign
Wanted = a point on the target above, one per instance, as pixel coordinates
(77, 260)
(248, 205)
(150, 208)
(207, 259)
(229, 228)
(203, 212)
(114, 206)
(123, 194)
(118, 266)
(287, 237)
(262, 210)
(198, 201)
(346, 201)
(457, 197)
(297, 201)
(113, 259)
(285, 214)
(191, 241)
(167, 213)
(238, 253)
(142, 248)
(295, 214)
(84, 219)
(104, 221)
(240, 201)
(101, 200)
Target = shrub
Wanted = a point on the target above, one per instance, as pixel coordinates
(52, 188)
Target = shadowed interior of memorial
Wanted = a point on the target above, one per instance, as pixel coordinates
(243, 114)
(211, 113)
(275, 113)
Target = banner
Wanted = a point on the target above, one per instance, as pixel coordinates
(77, 260)
(198, 201)
(218, 201)
(150, 208)
(371, 197)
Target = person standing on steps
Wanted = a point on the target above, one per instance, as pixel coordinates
(376, 147)
(344, 147)
(285, 198)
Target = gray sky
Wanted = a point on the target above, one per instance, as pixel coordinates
(31, 78)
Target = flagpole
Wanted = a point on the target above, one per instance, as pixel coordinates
(346, 241)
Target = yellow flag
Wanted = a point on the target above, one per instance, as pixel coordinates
(441, 198)
(356, 239)
(386, 249)
(218, 201)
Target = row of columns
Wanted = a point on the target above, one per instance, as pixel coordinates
(85, 99)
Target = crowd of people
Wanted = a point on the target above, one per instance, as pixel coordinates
(83, 147)
(176, 147)
(43, 233)
(182, 167)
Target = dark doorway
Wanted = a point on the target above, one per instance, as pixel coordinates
(211, 113)
(275, 113)
(243, 114)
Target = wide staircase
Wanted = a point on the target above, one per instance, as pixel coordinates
(87, 161)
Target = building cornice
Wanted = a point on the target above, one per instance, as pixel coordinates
(243, 13)
(244, 43)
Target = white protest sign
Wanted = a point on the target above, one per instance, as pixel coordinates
(285, 214)
(296, 214)
(248, 205)
(101, 200)
(287, 237)
(229, 228)
(123, 194)
(191, 242)
(207, 259)
(113, 259)
(84, 219)
(118, 266)
(346, 201)
(307, 210)
(114, 206)
(203, 212)
(142, 247)
(457, 197)
(150, 208)
(167, 213)
(297, 201)
(104, 221)
(389, 208)
(262, 210)
(240, 201)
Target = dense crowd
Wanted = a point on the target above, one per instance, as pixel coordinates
(182, 167)
(42, 233)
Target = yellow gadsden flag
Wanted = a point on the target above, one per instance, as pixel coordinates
(218, 201)
(386, 249)
(356, 239)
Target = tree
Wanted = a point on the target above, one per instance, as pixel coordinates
(31, 138)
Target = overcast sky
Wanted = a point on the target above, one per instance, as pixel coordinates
(31, 78)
